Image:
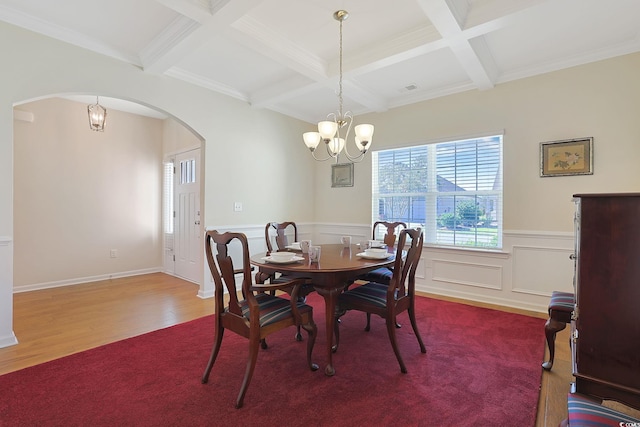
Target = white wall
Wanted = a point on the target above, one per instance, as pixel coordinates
(78, 194)
(252, 156)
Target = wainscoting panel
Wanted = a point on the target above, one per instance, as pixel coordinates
(533, 272)
(467, 274)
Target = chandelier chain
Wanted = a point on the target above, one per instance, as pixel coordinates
(340, 79)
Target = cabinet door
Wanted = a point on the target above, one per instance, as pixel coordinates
(608, 289)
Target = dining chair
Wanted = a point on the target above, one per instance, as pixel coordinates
(276, 232)
(255, 315)
(387, 301)
(280, 238)
(383, 274)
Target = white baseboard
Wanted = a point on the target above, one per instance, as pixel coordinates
(78, 280)
(8, 340)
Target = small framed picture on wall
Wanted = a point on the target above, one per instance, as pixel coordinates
(566, 157)
(342, 175)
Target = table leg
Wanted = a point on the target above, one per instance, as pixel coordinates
(330, 296)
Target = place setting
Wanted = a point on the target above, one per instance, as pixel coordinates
(283, 258)
(373, 249)
(375, 253)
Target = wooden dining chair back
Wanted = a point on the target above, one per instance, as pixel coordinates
(390, 228)
(387, 301)
(382, 274)
(276, 232)
(254, 313)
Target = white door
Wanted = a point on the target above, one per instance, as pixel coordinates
(188, 231)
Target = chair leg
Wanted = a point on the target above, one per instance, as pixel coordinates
(312, 332)
(551, 328)
(336, 334)
(214, 353)
(391, 330)
(251, 364)
(298, 335)
(414, 325)
(368, 327)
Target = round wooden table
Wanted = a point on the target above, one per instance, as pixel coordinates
(338, 266)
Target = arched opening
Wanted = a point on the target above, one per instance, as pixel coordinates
(88, 205)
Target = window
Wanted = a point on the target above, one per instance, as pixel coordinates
(453, 190)
(187, 171)
(167, 198)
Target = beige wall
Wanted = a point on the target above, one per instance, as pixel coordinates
(599, 100)
(79, 193)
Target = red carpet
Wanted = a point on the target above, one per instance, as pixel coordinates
(482, 368)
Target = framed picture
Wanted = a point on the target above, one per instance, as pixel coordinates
(342, 175)
(566, 157)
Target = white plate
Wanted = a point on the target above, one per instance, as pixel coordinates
(283, 261)
(381, 256)
(294, 246)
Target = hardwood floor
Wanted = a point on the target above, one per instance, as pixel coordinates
(53, 323)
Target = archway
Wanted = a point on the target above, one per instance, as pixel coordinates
(96, 205)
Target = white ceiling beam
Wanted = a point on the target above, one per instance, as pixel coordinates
(187, 34)
(448, 16)
(198, 12)
(258, 37)
(282, 91)
(50, 29)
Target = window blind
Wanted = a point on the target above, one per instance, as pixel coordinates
(453, 190)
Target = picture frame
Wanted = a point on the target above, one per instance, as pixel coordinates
(342, 175)
(566, 157)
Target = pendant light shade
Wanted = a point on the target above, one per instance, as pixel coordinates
(97, 116)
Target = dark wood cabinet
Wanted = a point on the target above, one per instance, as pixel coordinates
(606, 325)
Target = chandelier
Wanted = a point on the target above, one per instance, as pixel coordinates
(330, 130)
(97, 116)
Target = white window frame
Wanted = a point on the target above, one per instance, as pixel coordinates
(167, 197)
(481, 235)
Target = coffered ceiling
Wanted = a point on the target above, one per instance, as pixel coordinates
(282, 55)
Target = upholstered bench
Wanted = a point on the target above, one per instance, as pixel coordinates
(560, 310)
(584, 412)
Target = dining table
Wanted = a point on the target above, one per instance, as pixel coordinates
(337, 267)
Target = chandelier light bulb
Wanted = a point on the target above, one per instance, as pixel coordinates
(364, 134)
(336, 145)
(327, 130)
(311, 140)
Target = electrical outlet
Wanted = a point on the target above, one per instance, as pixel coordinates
(237, 207)
(113, 253)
